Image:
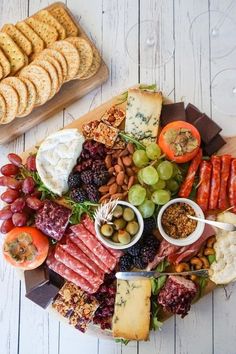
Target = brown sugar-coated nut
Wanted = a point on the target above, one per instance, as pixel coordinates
(196, 262)
(209, 251)
(181, 267)
(120, 178)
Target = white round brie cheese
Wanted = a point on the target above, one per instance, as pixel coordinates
(56, 158)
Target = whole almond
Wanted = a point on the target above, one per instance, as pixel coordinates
(118, 168)
(130, 148)
(124, 187)
(120, 178)
(104, 189)
(124, 152)
(127, 161)
(131, 182)
(119, 189)
(119, 161)
(113, 188)
(111, 170)
(111, 180)
(129, 171)
(104, 197)
(108, 161)
(117, 196)
(126, 179)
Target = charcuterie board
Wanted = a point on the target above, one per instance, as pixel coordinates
(69, 93)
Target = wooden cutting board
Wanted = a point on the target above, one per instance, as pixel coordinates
(69, 93)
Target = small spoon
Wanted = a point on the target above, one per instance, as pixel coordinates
(221, 225)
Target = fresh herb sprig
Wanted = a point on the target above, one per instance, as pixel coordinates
(122, 341)
(124, 96)
(131, 139)
(78, 209)
(155, 323)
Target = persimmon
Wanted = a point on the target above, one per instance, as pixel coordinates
(25, 247)
(179, 141)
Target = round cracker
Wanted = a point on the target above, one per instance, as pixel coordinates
(31, 97)
(1, 72)
(85, 54)
(71, 55)
(5, 63)
(52, 73)
(12, 102)
(96, 63)
(3, 109)
(21, 90)
(58, 56)
(41, 80)
(56, 64)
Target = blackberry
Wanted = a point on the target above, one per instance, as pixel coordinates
(101, 178)
(93, 193)
(135, 249)
(152, 241)
(83, 165)
(147, 254)
(78, 195)
(98, 166)
(87, 177)
(74, 180)
(125, 263)
(139, 262)
(149, 225)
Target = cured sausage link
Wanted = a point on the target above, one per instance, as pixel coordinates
(215, 182)
(232, 186)
(204, 187)
(225, 171)
(187, 185)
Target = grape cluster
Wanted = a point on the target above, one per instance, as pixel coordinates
(156, 178)
(21, 195)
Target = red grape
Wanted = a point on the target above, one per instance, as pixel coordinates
(19, 219)
(10, 182)
(6, 226)
(5, 214)
(36, 194)
(18, 205)
(31, 163)
(15, 159)
(34, 203)
(9, 170)
(28, 185)
(9, 196)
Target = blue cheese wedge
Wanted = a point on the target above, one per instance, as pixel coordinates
(56, 158)
(143, 114)
(131, 319)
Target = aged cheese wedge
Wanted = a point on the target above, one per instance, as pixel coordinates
(131, 319)
(56, 158)
(143, 114)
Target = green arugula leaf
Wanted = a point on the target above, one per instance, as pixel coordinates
(162, 266)
(211, 258)
(131, 139)
(202, 282)
(155, 308)
(123, 341)
(156, 324)
(78, 209)
(157, 284)
(144, 87)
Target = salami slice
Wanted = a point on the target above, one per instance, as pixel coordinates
(232, 186)
(94, 245)
(203, 191)
(225, 171)
(187, 185)
(215, 182)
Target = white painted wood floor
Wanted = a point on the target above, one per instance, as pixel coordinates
(210, 327)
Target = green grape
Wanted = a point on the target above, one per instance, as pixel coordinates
(140, 158)
(137, 194)
(172, 185)
(147, 208)
(160, 197)
(153, 151)
(165, 170)
(149, 175)
(159, 185)
(176, 170)
(140, 176)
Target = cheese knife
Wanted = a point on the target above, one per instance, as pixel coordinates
(154, 274)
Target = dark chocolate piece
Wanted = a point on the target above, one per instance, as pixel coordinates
(214, 145)
(56, 279)
(207, 128)
(192, 113)
(35, 278)
(172, 112)
(43, 295)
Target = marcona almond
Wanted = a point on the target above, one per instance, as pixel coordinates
(108, 161)
(120, 178)
(103, 189)
(127, 161)
(111, 180)
(118, 168)
(131, 182)
(113, 188)
(130, 148)
(111, 170)
(129, 171)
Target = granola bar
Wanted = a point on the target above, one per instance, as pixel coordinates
(114, 116)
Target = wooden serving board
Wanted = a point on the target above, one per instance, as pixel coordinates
(69, 93)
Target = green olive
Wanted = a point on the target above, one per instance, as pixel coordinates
(128, 214)
(107, 230)
(132, 227)
(115, 237)
(124, 237)
(118, 212)
(119, 224)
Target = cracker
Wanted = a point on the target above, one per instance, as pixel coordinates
(85, 54)
(21, 90)
(55, 63)
(12, 52)
(48, 33)
(106, 134)
(41, 80)
(62, 16)
(6, 66)
(3, 109)
(114, 116)
(31, 97)
(96, 63)
(52, 73)
(36, 41)
(46, 17)
(18, 37)
(12, 102)
(59, 57)
(1, 72)
(71, 55)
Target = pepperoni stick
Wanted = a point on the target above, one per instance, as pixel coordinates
(232, 186)
(215, 182)
(204, 187)
(186, 186)
(225, 170)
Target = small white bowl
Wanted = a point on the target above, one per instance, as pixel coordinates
(118, 246)
(195, 235)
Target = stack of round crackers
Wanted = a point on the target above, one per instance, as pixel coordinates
(42, 53)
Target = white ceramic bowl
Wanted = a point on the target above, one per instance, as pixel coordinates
(195, 235)
(118, 246)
